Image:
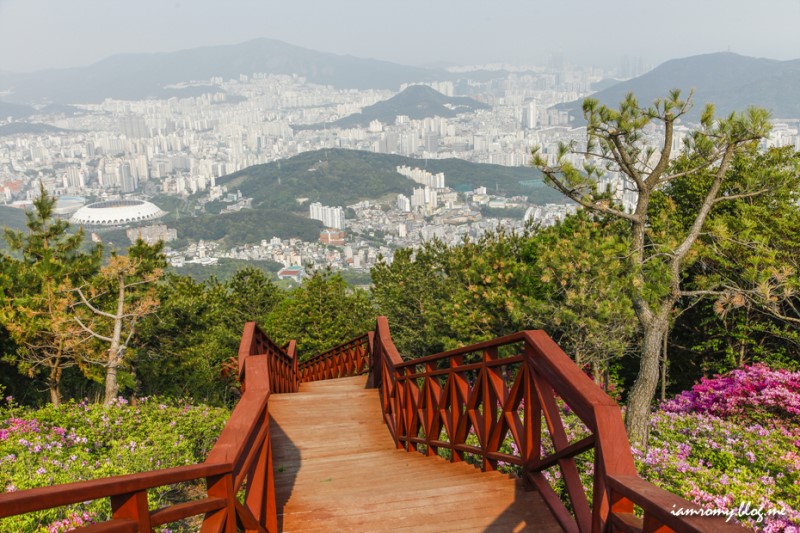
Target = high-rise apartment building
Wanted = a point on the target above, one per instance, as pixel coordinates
(332, 217)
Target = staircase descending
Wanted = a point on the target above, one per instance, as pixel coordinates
(355, 439)
(324, 482)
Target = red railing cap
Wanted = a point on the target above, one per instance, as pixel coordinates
(30, 500)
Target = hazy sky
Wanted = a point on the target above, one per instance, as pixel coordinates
(36, 34)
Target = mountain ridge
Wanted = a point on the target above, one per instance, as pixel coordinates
(138, 76)
(416, 101)
(730, 81)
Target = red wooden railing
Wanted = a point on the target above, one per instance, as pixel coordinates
(348, 359)
(464, 403)
(243, 453)
(468, 401)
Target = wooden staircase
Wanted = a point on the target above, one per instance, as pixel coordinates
(348, 440)
(337, 469)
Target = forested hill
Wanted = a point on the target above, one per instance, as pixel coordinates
(12, 218)
(732, 82)
(416, 102)
(342, 177)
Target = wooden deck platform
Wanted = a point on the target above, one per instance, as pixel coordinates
(336, 469)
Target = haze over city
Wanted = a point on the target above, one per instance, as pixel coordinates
(39, 34)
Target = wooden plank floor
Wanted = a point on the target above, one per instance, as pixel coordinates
(336, 469)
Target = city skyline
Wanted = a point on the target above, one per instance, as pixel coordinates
(40, 34)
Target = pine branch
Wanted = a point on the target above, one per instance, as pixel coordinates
(594, 206)
(94, 309)
(740, 196)
(91, 332)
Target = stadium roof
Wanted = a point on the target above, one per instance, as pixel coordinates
(116, 213)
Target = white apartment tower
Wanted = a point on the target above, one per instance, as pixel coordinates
(332, 217)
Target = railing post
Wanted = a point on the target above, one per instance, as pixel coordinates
(260, 496)
(374, 377)
(132, 506)
(223, 520)
(291, 350)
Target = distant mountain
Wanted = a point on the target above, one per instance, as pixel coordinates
(604, 84)
(416, 102)
(17, 128)
(730, 81)
(60, 109)
(137, 76)
(342, 177)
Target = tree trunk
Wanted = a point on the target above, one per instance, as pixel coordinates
(116, 349)
(112, 386)
(53, 384)
(637, 417)
(664, 367)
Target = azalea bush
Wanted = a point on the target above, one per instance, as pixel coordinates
(81, 441)
(752, 393)
(732, 441)
(725, 464)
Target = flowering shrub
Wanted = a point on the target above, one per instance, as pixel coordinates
(81, 441)
(723, 464)
(749, 393)
(732, 440)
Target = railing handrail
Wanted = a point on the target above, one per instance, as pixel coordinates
(331, 352)
(350, 358)
(617, 486)
(38, 499)
(243, 450)
(463, 350)
(256, 342)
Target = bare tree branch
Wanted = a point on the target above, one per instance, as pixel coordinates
(740, 196)
(594, 206)
(94, 309)
(90, 331)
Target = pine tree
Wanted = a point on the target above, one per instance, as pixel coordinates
(46, 263)
(659, 253)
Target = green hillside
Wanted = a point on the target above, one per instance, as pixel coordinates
(28, 128)
(416, 102)
(342, 177)
(333, 177)
(12, 218)
(248, 226)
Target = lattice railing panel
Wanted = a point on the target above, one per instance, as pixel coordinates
(502, 403)
(348, 359)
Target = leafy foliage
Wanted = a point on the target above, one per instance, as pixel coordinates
(569, 280)
(185, 345)
(37, 284)
(320, 314)
(80, 441)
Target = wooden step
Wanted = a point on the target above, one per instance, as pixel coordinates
(337, 469)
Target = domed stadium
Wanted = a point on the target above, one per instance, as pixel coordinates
(116, 213)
